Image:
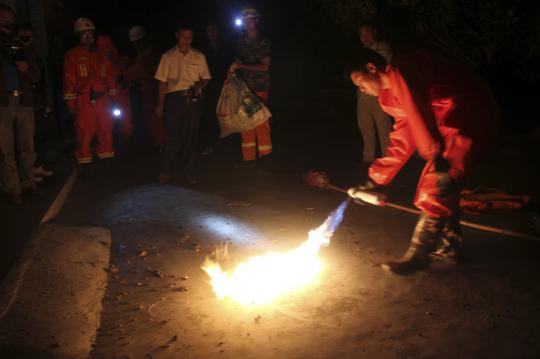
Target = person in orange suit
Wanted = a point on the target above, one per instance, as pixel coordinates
(447, 114)
(105, 45)
(140, 74)
(90, 86)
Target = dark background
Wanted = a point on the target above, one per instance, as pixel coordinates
(500, 39)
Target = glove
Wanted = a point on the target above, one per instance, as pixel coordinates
(359, 193)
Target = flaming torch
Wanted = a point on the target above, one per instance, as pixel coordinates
(261, 279)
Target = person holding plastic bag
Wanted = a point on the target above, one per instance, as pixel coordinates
(239, 109)
(251, 65)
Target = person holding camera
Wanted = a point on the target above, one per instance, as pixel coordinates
(182, 74)
(19, 68)
(43, 108)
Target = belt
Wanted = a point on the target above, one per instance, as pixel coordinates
(15, 93)
(181, 92)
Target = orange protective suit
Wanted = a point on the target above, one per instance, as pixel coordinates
(142, 72)
(445, 112)
(89, 84)
(105, 45)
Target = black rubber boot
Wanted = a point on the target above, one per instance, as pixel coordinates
(424, 241)
(450, 249)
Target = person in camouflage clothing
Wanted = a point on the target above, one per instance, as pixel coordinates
(251, 64)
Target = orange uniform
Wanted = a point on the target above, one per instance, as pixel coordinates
(105, 45)
(257, 139)
(142, 72)
(89, 83)
(442, 110)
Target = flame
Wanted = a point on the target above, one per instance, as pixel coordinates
(263, 278)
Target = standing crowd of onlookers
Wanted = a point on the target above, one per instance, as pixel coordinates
(175, 93)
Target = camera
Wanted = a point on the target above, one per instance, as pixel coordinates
(12, 47)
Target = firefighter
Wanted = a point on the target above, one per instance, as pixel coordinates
(448, 115)
(141, 75)
(90, 87)
(105, 45)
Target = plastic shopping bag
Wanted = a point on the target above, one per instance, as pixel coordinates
(238, 109)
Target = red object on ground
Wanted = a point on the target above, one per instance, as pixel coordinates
(484, 200)
(316, 178)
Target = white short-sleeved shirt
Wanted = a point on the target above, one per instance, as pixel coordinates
(181, 71)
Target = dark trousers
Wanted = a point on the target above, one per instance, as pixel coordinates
(182, 117)
(209, 136)
(373, 123)
(16, 145)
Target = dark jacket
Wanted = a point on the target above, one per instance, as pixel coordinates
(32, 75)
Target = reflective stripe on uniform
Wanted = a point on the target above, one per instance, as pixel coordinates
(248, 144)
(106, 155)
(83, 160)
(265, 148)
(70, 96)
(84, 72)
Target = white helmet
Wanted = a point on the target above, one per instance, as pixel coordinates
(136, 33)
(83, 24)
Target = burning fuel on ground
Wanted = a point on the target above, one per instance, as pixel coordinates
(263, 278)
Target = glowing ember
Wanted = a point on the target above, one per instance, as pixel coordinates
(261, 279)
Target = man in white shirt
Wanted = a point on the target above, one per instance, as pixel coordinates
(372, 121)
(182, 74)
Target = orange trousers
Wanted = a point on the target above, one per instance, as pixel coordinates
(94, 119)
(125, 123)
(257, 139)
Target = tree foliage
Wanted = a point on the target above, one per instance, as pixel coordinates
(475, 32)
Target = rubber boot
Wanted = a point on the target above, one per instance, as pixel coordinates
(450, 249)
(424, 241)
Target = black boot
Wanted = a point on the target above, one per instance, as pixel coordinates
(407, 264)
(450, 249)
(424, 241)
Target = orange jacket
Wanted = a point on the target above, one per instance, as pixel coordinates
(142, 71)
(106, 46)
(440, 109)
(86, 71)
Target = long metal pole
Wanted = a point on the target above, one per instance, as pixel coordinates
(463, 223)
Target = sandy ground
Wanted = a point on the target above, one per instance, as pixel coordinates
(59, 303)
(161, 234)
